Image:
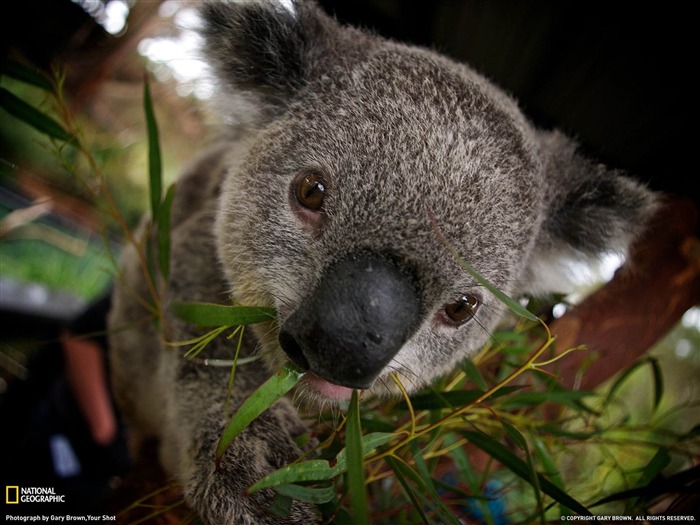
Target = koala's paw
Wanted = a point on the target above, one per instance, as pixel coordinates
(220, 496)
(221, 502)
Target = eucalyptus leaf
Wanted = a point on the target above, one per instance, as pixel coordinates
(154, 160)
(259, 401)
(565, 397)
(427, 484)
(403, 473)
(19, 109)
(474, 375)
(25, 74)
(658, 381)
(506, 300)
(319, 469)
(454, 398)
(355, 460)
(308, 494)
(516, 465)
(209, 314)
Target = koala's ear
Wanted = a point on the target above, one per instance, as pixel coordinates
(265, 51)
(590, 210)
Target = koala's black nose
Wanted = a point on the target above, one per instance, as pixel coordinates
(361, 314)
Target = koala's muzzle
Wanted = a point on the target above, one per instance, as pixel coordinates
(357, 319)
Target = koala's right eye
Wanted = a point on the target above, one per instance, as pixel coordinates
(311, 190)
(462, 310)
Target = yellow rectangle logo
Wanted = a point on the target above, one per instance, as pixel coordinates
(9, 499)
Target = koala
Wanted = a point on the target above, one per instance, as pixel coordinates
(349, 165)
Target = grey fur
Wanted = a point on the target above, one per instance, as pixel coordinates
(402, 134)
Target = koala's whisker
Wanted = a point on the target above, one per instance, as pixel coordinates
(404, 372)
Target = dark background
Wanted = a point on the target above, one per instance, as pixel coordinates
(616, 75)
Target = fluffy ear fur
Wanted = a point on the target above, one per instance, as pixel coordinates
(265, 53)
(590, 210)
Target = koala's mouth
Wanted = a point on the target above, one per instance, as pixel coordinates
(325, 388)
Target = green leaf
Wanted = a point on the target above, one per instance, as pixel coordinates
(427, 485)
(402, 473)
(311, 470)
(509, 302)
(657, 377)
(547, 461)
(516, 465)
(369, 443)
(515, 435)
(18, 108)
(154, 160)
(550, 467)
(314, 495)
(356, 467)
(454, 398)
(474, 375)
(319, 469)
(564, 397)
(208, 314)
(659, 462)
(522, 444)
(658, 381)
(25, 74)
(259, 401)
(164, 232)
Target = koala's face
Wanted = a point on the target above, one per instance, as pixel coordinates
(339, 215)
(361, 159)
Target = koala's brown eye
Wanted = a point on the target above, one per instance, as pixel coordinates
(462, 310)
(311, 189)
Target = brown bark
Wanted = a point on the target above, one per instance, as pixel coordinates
(644, 300)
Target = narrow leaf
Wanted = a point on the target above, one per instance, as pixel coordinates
(318, 469)
(356, 467)
(474, 375)
(547, 461)
(515, 435)
(427, 485)
(208, 314)
(308, 494)
(501, 454)
(506, 300)
(565, 397)
(454, 398)
(259, 401)
(509, 302)
(25, 74)
(400, 471)
(312, 470)
(18, 108)
(154, 160)
(621, 380)
(658, 381)
(369, 443)
(659, 462)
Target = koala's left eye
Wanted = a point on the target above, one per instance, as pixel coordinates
(462, 310)
(311, 190)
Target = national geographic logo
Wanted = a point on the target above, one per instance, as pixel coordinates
(15, 494)
(11, 494)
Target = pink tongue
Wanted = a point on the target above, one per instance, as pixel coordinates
(327, 389)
